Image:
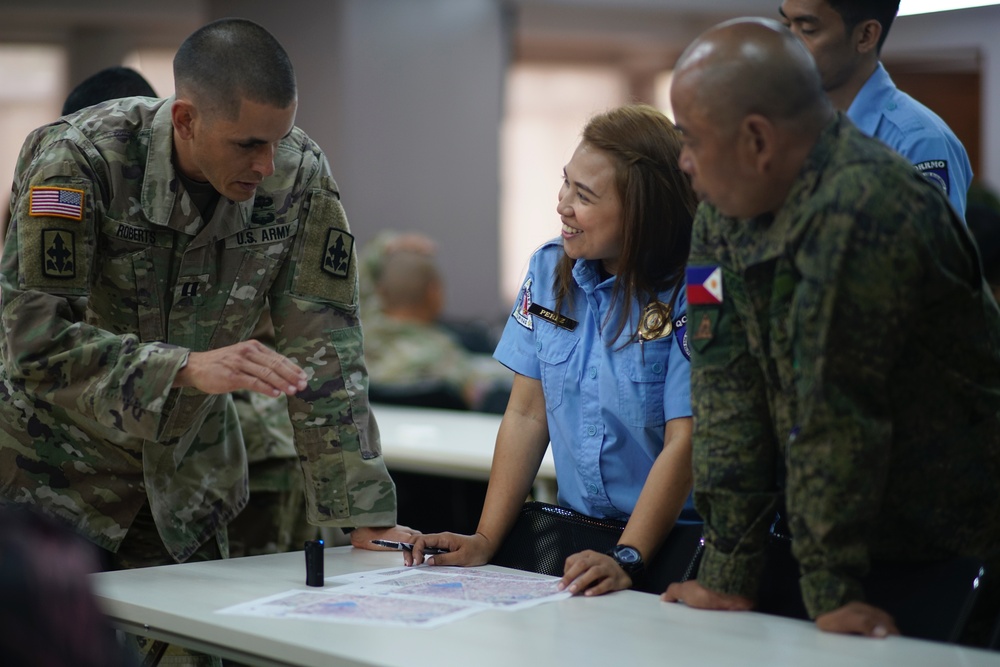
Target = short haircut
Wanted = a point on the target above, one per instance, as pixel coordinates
(108, 84)
(406, 279)
(230, 60)
(854, 12)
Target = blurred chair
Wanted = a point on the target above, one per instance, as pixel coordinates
(431, 503)
(429, 394)
(476, 336)
(938, 600)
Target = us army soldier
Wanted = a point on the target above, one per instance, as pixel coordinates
(147, 238)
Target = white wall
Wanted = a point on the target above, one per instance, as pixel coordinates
(406, 96)
(405, 99)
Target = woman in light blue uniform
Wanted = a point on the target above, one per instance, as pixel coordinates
(597, 339)
(607, 396)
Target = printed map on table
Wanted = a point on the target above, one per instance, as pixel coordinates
(456, 584)
(415, 597)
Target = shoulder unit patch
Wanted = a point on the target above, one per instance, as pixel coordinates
(337, 257)
(522, 311)
(59, 253)
(936, 171)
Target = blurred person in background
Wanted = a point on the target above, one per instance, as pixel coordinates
(406, 346)
(49, 616)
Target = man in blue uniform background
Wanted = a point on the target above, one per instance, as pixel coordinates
(845, 38)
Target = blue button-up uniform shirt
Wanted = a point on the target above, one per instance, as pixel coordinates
(885, 112)
(607, 401)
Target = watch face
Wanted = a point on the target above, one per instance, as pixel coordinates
(627, 555)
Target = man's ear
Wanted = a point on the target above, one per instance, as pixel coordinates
(183, 114)
(866, 36)
(757, 142)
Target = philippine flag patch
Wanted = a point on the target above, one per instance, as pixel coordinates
(704, 285)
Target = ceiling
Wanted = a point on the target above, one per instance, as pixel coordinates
(636, 34)
(149, 23)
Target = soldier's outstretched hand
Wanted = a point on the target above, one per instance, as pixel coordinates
(248, 365)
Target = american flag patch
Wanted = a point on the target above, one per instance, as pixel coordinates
(57, 202)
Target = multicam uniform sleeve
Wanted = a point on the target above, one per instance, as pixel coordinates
(314, 306)
(734, 451)
(47, 347)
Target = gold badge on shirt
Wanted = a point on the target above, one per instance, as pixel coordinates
(655, 322)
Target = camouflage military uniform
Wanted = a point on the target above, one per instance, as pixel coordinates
(403, 353)
(110, 277)
(849, 367)
(274, 519)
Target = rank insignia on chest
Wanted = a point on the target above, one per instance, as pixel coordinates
(551, 316)
(56, 203)
(59, 253)
(655, 322)
(263, 210)
(337, 257)
(522, 311)
(704, 285)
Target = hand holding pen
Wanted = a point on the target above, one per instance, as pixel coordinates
(445, 549)
(407, 546)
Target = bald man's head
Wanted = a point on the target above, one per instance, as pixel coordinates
(752, 66)
(749, 105)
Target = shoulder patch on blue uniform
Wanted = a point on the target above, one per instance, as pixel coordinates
(936, 171)
(681, 335)
(521, 312)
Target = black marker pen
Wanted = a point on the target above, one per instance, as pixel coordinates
(314, 563)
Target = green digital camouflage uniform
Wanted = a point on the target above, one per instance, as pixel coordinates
(852, 369)
(102, 302)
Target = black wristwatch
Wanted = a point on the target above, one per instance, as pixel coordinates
(629, 559)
